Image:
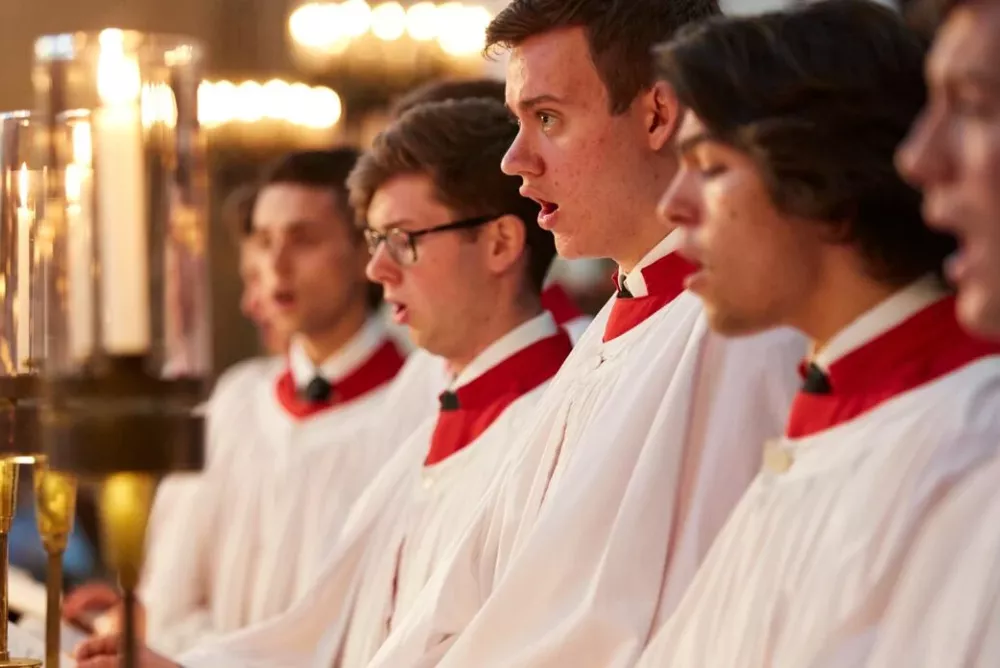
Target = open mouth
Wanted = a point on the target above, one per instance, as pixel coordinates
(400, 314)
(546, 217)
(283, 298)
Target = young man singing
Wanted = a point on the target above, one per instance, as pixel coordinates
(946, 609)
(794, 215)
(653, 428)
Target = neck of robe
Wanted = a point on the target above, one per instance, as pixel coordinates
(655, 282)
(560, 305)
(526, 358)
(906, 352)
(370, 360)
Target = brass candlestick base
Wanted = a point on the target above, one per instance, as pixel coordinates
(126, 501)
(8, 498)
(55, 507)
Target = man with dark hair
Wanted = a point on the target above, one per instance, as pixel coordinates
(239, 213)
(610, 499)
(946, 610)
(794, 216)
(449, 89)
(456, 248)
(290, 438)
(554, 296)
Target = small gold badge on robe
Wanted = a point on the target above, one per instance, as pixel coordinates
(777, 458)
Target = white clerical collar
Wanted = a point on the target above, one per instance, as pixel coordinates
(342, 363)
(538, 328)
(634, 281)
(880, 319)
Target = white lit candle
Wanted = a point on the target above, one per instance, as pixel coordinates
(121, 202)
(80, 244)
(23, 299)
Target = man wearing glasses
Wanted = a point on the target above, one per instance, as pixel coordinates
(462, 263)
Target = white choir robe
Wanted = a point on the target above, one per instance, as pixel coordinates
(406, 518)
(641, 446)
(803, 570)
(945, 611)
(565, 311)
(242, 540)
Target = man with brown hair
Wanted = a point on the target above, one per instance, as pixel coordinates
(291, 439)
(946, 609)
(462, 262)
(795, 216)
(554, 297)
(654, 427)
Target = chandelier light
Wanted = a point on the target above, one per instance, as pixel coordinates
(388, 43)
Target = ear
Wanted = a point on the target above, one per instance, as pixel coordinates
(662, 114)
(506, 244)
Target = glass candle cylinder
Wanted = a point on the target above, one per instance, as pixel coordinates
(121, 271)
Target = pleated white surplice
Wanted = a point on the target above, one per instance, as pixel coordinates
(641, 447)
(240, 542)
(802, 572)
(945, 612)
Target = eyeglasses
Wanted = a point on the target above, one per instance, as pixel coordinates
(402, 244)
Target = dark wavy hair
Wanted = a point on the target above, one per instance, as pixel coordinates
(819, 97)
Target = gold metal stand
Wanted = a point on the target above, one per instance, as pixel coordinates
(55, 507)
(125, 503)
(8, 501)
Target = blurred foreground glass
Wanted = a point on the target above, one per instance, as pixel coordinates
(121, 272)
(18, 392)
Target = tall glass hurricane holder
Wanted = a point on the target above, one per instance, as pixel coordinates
(19, 438)
(55, 494)
(122, 275)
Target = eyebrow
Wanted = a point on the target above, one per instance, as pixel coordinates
(545, 98)
(402, 222)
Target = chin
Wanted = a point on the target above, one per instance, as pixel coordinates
(731, 324)
(574, 247)
(979, 311)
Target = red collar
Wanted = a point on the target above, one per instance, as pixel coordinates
(557, 302)
(925, 347)
(664, 282)
(376, 371)
(482, 401)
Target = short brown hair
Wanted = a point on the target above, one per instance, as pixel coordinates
(819, 97)
(449, 89)
(621, 34)
(324, 169)
(459, 144)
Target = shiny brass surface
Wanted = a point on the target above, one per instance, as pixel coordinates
(8, 498)
(55, 509)
(126, 500)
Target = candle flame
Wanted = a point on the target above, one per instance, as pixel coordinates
(118, 78)
(22, 185)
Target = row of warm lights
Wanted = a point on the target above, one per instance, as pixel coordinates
(458, 28)
(221, 102)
